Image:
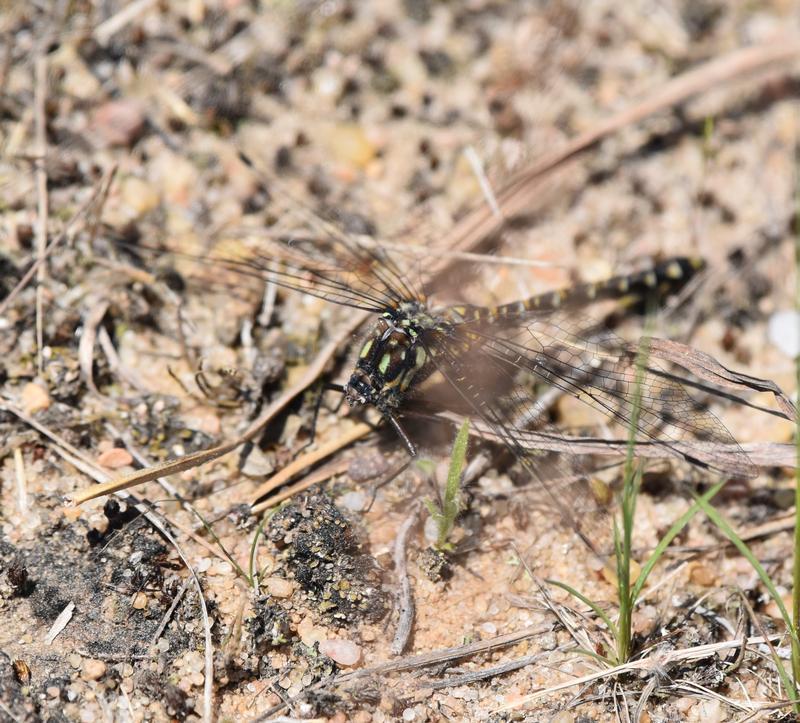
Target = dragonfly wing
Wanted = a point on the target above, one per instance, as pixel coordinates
(559, 474)
(610, 375)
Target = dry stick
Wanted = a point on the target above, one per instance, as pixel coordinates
(108, 28)
(166, 618)
(476, 675)
(328, 471)
(646, 665)
(86, 345)
(40, 95)
(518, 193)
(77, 216)
(357, 432)
(115, 363)
(190, 461)
(422, 660)
(406, 621)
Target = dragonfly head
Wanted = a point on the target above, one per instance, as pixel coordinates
(390, 358)
(359, 389)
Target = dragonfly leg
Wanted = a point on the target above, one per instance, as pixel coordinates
(412, 450)
(321, 389)
(388, 478)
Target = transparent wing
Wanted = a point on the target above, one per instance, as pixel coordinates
(601, 369)
(488, 387)
(343, 273)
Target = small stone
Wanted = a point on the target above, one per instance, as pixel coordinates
(354, 501)
(344, 652)
(328, 83)
(34, 398)
(221, 568)
(702, 575)
(279, 587)
(115, 458)
(349, 145)
(609, 573)
(310, 633)
(139, 195)
(139, 601)
(93, 669)
(774, 612)
(119, 122)
(75, 660)
(783, 331)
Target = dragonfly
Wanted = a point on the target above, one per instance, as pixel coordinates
(481, 360)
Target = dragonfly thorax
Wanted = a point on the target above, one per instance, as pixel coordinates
(391, 358)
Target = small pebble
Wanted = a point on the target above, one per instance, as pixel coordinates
(34, 398)
(139, 601)
(784, 332)
(344, 652)
(75, 660)
(139, 195)
(279, 587)
(93, 669)
(119, 122)
(115, 458)
(348, 144)
(703, 575)
(310, 633)
(354, 501)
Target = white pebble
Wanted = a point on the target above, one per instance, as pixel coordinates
(353, 501)
(784, 332)
(344, 652)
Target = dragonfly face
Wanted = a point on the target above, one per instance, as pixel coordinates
(390, 360)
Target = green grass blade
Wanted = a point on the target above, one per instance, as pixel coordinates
(666, 540)
(590, 603)
(722, 524)
(796, 548)
(451, 501)
(457, 459)
(253, 549)
(216, 539)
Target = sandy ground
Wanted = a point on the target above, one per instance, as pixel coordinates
(363, 118)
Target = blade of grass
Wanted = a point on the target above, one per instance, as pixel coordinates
(225, 552)
(253, 553)
(632, 479)
(796, 550)
(722, 524)
(602, 614)
(445, 516)
(667, 539)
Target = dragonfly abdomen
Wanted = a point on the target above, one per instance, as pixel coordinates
(664, 278)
